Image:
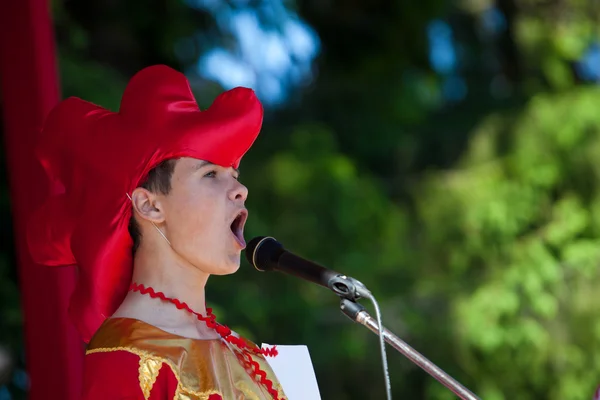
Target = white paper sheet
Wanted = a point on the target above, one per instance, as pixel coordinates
(294, 370)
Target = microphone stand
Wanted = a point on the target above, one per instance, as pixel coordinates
(350, 290)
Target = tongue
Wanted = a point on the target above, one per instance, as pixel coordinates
(239, 238)
(237, 232)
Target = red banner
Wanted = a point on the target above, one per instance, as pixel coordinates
(29, 89)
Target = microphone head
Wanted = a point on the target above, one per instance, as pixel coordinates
(263, 252)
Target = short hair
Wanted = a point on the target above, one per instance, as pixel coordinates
(157, 181)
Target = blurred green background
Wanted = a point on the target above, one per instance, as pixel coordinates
(445, 153)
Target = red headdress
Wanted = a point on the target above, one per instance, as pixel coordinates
(95, 157)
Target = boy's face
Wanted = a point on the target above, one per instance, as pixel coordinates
(204, 215)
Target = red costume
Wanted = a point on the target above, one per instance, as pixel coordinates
(95, 158)
(129, 359)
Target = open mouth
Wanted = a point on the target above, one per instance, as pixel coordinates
(237, 227)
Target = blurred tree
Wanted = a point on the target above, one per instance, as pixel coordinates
(512, 232)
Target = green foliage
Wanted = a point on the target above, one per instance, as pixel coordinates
(514, 230)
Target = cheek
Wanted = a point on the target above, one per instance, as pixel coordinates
(197, 222)
(193, 220)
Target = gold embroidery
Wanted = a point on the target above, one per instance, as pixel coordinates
(181, 396)
(149, 369)
(179, 393)
(280, 392)
(245, 388)
(202, 367)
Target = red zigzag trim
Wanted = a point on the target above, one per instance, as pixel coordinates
(223, 331)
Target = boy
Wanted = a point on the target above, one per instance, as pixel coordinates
(147, 203)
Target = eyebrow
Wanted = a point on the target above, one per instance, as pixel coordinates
(201, 164)
(204, 163)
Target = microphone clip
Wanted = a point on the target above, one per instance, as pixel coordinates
(348, 288)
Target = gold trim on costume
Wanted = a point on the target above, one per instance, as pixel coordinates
(244, 388)
(202, 367)
(148, 372)
(180, 394)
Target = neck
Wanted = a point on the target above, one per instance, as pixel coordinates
(163, 270)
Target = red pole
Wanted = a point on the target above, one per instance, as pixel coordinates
(29, 89)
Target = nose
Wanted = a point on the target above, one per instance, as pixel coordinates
(238, 192)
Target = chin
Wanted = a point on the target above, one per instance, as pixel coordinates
(227, 270)
(229, 266)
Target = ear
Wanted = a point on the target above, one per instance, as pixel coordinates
(147, 205)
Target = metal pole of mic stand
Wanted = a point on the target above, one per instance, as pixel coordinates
(357, 313)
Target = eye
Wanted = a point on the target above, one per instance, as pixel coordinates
(210, 174)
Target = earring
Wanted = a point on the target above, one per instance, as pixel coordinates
(153, 224)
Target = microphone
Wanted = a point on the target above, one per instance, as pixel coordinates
(267, 254)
